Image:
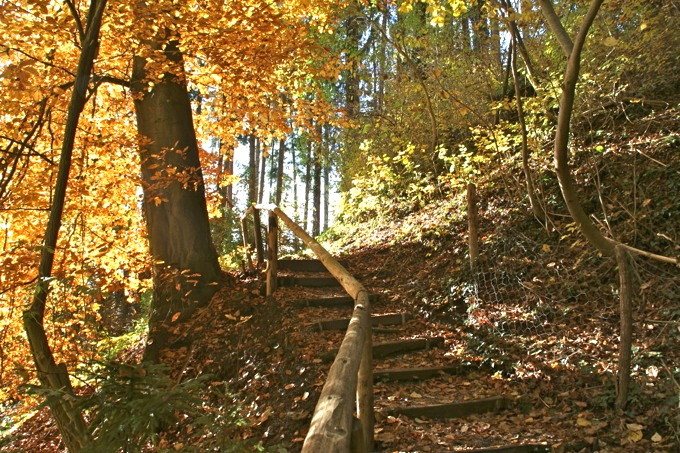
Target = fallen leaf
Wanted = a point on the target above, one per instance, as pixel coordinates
(582, 421)
(634, 436)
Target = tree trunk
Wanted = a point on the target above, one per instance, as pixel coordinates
(228, 170)
(531, 74)
(279, 172)
(561, 150)
(316, 205)
(263, 171)
(308, 177)
(326, 194)
(252, 170)
(186, 271)
(480, 29)
(296, 204)
(531, 191)
(53, 376)
(353, 32)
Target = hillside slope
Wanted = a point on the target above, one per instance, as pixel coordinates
(538, 319)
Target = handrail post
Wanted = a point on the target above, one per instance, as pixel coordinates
(259, 247)
(365, 403)
(272, 252)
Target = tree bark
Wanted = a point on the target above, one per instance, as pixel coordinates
(186, 271)
(556, 26)
(316, 202)
(252, 170)
(53, 376)
(531, 73)
(326, 195)
(263, 171)
(561, 149)
(626, 312)
(308, 179)
(279, 172)
(352, 87)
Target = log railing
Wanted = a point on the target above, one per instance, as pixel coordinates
(349, 385)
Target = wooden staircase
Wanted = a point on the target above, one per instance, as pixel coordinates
(390, 340)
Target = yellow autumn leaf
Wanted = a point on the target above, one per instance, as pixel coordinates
(634, 436)
(610, 41)
(405, 7)
(437, 21)
(582, 421)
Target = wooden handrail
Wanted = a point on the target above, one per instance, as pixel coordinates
(350, 378)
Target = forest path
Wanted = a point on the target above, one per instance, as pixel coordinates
(425, 399)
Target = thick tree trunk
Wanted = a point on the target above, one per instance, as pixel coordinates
(186, 271)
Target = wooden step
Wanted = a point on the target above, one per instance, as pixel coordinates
(381, 350)
(392, 319)
(303, 265)
(519, 448)
(454, 410)
(337, 301)
(416, 374)
(309, 282)
(388, 348)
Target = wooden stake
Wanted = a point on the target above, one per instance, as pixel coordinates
(272, 253)
(626, 311)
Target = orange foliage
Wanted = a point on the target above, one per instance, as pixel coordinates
(250, 64)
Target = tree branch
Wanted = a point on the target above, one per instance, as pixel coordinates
(557, 28)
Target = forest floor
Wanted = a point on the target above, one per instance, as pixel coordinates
(536, 322)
